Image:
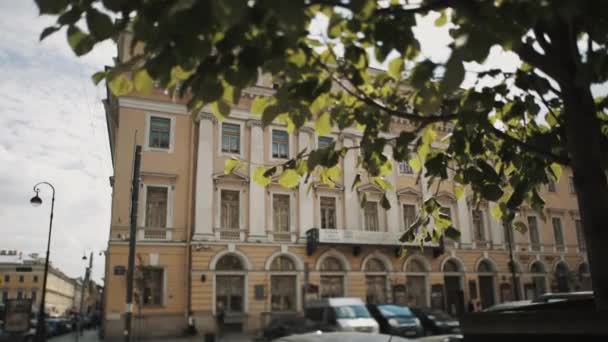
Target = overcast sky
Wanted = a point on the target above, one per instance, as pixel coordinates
(52, 128)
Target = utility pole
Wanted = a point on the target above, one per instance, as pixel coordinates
(85, 284)
(132, 235)
(509, 229)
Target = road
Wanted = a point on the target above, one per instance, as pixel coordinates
(91, 336)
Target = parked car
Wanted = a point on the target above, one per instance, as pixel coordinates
(396, 320)
(341, 314)
(342, 337)
(562, 296)
(289, 325)
(436, 322)
(506, 306)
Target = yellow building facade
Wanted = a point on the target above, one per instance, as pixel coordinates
(21, 277)
(220, 246)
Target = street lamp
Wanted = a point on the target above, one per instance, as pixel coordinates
(36, 201)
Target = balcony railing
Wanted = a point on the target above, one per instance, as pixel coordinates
(121, 233)
(154, 233)
(230, 234)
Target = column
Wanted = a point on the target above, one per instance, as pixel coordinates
(497, 232)
(351, 199)
(464, 220)
(305, 200)
(257, 197)
(203, 216)
(392, 215)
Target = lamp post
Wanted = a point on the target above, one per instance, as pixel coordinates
(41, 323)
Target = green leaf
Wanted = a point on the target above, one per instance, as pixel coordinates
(98, 76)
(454, 75)
(80, 42)
(100, 25)
(491, 192)
(120, 85)
(386, 205)
(452, 233)
(298, 58)
(442, 20)
(459, 191)
(520, 227)
(323, 124)
(557, 171)
(51, 6)
(230, 165)
(496, 212)
(334, 173)
(383, 183)
(143, 82)
(289, 179)
(395, 68)
(386, 168)
(48, 31)
(220, 109)
(259, 176)
(440, 222)
(259, 104)
(415, 163)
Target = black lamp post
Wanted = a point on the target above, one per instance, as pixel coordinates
(41, 324)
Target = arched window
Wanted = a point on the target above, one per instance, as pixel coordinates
(539, 281)
(415, 266)
(561, 276)
(375, 265)
(485, 267)
(452, 266)
(332, 264)
(537, 267)
(584, 277)
(282, 263)
(229, 263)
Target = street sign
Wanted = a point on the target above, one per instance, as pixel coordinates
(17, 317)
(120, 270)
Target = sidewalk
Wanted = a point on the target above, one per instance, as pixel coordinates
(91, 336)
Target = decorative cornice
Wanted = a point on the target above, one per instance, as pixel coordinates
(409, 191)
(306, 129)
(254, 122)
(151, 105)
(170, 176)
(369, 187)
(206, 116)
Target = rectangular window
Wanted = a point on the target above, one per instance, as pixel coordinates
(558, 233)
(231, 138)
(156, 206)
(34, 295)
(325, 142)
(478, 226)
(21, 278)
(571, 185)
(328, 212)
(371, 216)
(280, 207)
(230, 209)
(551, 186)
(35, 279)
(280, 144)
(7, 278)
(409, 215)
(152, 286)
(19, 294)
(160, 132)
(580, 235)
(283, 292)
(533, 231)
(405, 168)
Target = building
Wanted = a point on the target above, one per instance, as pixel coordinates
(22, 276)
(209, 242)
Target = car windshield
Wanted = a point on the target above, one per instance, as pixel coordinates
(439, 315)
(394, 311)
(351, 311)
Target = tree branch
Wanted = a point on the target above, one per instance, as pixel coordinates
(529, 147)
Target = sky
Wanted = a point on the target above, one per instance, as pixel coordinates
(52, 128)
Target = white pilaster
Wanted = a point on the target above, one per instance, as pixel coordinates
(464, 220)
(305, 200)
(495, 226)
(203, 217)
(392, 215)
(351, 199)
(257, 202)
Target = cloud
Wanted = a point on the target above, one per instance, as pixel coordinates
(52, 128)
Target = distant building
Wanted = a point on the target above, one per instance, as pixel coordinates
(21, 276)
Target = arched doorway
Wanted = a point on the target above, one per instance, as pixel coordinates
(539, 281)
(332, 277)
(230, 292)
(375, 279)
(416, 281)
(453, 287)
(486, 273)
(584, 277)
(561, 278)
(283, 284)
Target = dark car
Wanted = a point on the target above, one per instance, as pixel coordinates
(436, 322)
(396, 320)
(288, 325)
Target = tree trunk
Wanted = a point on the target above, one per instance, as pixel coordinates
(583, 144)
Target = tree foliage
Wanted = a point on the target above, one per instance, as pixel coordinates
(507, 136)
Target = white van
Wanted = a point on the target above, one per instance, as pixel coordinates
(341, 314)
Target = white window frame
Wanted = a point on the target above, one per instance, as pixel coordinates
(290, 141)
(339, 206)
(171, 149)
(484, 222)
(561, 226)
(402, 212)
(381, 221)
(220, 129)
(538, 230)
(218, 200)
(144, 198)
(295, 273)
(404, 173)
(292, 211)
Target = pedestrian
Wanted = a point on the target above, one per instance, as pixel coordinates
(191, 324)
